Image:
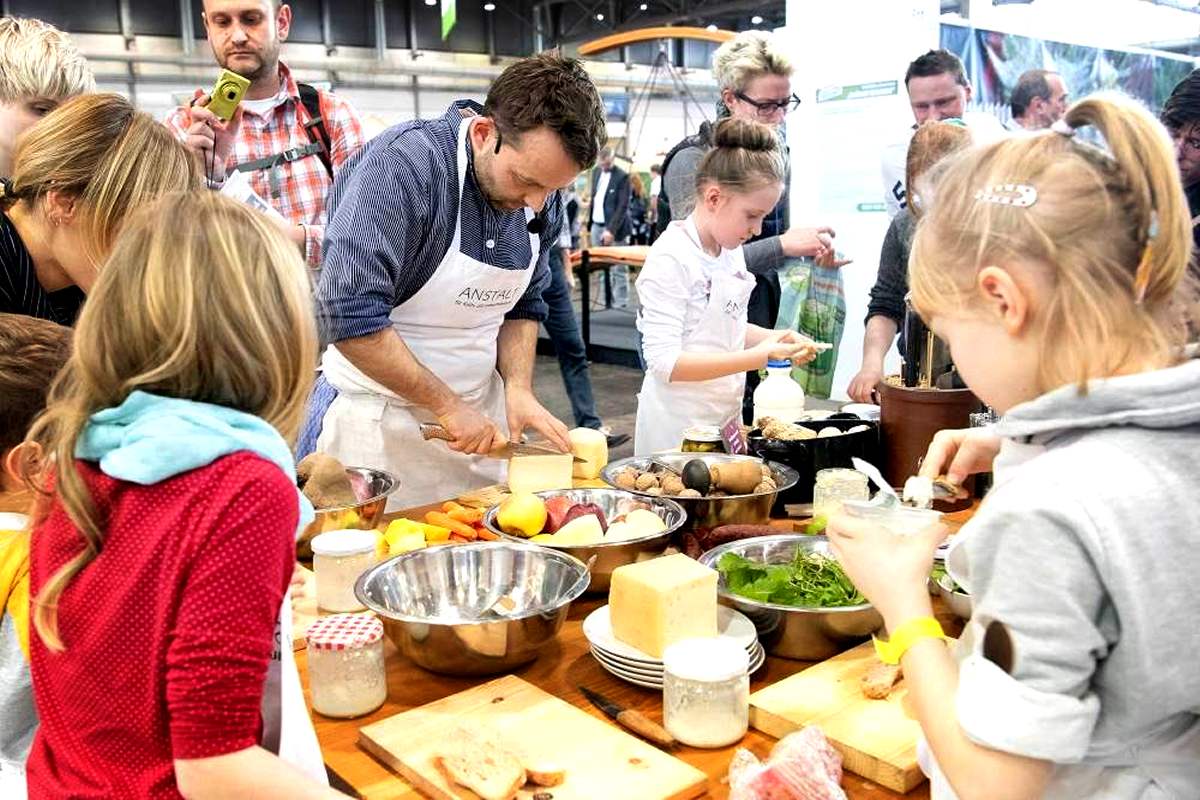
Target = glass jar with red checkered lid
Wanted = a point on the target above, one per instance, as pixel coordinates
(346, 670)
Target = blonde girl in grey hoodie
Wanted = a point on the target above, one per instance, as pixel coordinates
(1056, 271)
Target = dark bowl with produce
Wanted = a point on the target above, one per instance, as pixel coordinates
(796, 594)
(611, 506)
(733, 489)
(818, 449)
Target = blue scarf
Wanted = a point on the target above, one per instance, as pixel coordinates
(149, 438)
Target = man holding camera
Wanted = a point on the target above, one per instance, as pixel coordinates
(288, 138)
(436, 258)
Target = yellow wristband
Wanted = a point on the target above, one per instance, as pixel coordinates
(892, 650)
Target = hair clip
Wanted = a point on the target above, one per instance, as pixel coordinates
(1020, 195)
(1061, 127)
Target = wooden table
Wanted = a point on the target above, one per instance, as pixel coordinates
(601, 259)
(564, 665)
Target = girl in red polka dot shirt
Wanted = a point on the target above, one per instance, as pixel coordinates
(164, 544)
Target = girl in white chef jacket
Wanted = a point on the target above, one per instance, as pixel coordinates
(694, 289)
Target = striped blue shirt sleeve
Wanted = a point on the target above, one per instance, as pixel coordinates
(531, 305)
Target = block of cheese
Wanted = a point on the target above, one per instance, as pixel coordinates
(539, 473)
(655, 603)
(592, 446)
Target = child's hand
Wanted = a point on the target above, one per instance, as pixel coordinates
(892, 570)
(959, 454)
(790, 345)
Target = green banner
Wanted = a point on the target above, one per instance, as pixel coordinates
(449, 17)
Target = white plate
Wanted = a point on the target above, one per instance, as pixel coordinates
(643, 664)
(597, 627)
(757, 656)
(650, 681)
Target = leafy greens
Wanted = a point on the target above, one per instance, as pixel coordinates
(809, 580)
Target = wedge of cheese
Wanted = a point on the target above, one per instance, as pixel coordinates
(539, 473)
(655, 603)
(592, 446)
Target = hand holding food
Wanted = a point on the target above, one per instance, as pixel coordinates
(959, 454)
(891, 570)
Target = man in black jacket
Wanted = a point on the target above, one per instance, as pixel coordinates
(1181, 116)
(609, 217)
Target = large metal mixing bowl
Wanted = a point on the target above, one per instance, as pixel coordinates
(473, 609)
(705, 513)
(807, 634)
(609, 555)
(361, 516)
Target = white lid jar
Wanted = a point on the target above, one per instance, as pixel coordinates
(706, 691)
(339, 557)
(346, 670)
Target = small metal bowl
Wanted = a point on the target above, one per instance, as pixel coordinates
(473, 609)
(361, 516)
(609, 555)
(706, 513)
(806, 634)
(956, 599)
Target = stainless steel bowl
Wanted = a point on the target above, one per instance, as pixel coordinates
(609, 555)
(473, 609)
(361, 516)
(958, 601)
(807, 634)
(710, 512)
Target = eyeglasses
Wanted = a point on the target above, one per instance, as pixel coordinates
(767, 108)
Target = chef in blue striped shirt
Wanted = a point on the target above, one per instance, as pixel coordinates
(435, 261)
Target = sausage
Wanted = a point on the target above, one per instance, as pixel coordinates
(734, 533)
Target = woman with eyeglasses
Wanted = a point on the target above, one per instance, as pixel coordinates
(754, 75)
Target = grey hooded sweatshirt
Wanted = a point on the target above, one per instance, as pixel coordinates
(1087, 550)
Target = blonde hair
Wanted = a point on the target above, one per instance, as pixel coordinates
(1109, 231)
(202, 299)
(39, 60)
(746, 56)
(744, 156)
(111, 157)
(932, 142)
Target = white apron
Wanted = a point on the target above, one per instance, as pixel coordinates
(287, 727)
(451, 325)
(666, 410)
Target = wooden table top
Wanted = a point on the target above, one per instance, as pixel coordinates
(564, 665)
(634, 255)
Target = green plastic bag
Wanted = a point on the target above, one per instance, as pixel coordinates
(813, 302)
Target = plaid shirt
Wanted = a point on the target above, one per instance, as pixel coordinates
(304, 184)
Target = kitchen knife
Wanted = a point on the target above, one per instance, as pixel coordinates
(631, 720)
(431, 430)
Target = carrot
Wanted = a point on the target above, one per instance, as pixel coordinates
(486, 535)
(451, 505)
(444, 520)
(467, 516)
(454, 537)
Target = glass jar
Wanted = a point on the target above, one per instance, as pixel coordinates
(706, 691)
(834, 487)
(702, 439)
(346, 670)
(339, 557)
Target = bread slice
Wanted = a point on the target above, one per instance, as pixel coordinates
(880, 678)
(484, 767)
(544, 773)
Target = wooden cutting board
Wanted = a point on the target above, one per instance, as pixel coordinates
(877, 738)
(601, 760)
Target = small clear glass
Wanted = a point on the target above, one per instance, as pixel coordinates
(834, 487)
(339, 557)
(706, 692)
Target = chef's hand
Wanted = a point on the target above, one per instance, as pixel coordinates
(959, 454)
(524, 411)
(607, 238)
(473, 432)
(209, 139)
(814, 242)
(890, 569)
(862, 388)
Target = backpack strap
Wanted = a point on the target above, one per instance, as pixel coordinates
(318, 133)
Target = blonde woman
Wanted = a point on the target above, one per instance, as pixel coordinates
(161, 556)
(39, 69)
(1056, 272)
(755, 78)
(75, 177)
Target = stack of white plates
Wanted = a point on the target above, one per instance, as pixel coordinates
(643, 669)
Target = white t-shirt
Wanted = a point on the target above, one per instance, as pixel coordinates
(598, 197)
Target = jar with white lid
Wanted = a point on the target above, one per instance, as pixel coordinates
(339, 557)
(346, 670)
(706, 691)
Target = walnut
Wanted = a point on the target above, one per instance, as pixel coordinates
(672, 484)
(626, 480)
(646, 481)
(690, 493)
(764, 487)
(654, 491)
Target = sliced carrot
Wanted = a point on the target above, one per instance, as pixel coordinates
(450, 505)
(454, 537)
(444, 520)
(486, 535)
(468, 516)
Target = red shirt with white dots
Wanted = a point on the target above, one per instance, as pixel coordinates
(167, 632)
